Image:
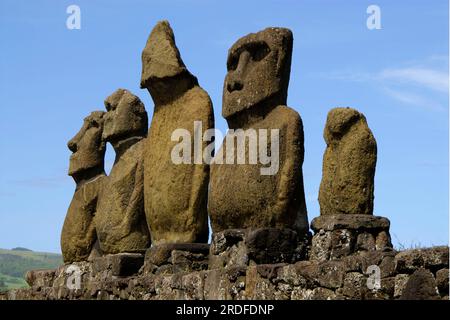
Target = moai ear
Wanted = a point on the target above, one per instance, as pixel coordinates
(284, 52)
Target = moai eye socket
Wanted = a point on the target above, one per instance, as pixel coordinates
(232, 62)
(258, 50)
(93, 124)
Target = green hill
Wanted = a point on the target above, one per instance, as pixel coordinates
(15, 263)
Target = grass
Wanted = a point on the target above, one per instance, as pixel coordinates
(15, 263)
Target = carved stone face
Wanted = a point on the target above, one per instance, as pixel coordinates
(88, 149)
(258, 68)
(125, 117)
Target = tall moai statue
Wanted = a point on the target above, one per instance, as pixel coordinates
(87, 169)
(346, 224)
(254, 97)
(120, 220)
(253, 194)
(175, 193)
(348, 164)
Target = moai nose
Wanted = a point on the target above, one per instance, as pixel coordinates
(234, 85)
(72, 145)
(235, 82)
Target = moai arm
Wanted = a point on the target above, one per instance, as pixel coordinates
(290, 187)
(135, 205)
(357, 170)
(196, 215)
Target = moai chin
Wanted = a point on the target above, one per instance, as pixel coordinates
(78, 235)
(175, 194)
(120, 220)
(346, 224)
(254, 97)
(349, 161)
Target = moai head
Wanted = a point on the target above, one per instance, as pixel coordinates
(87, 146)
(258, 68)
(125, 117)
(339, 120)
(163, 71)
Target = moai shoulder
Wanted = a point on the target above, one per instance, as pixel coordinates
(254, 99)
(175, 194)
(120, 221)
(78, 235)
(349, 162)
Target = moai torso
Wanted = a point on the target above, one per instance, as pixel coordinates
(348, 164)
(121, 218)
(120, 221)
(254, 98)
(86, 167)
(79, 235)
(175, 194)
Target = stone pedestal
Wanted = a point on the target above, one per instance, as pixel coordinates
(118, 265)
(176, 257)
(244, 247)
(337, 236)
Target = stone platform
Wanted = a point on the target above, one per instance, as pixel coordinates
(340, 235)
(412, 274)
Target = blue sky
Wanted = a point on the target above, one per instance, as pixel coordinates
(52, 77)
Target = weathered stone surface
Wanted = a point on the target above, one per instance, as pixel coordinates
(175, 193)
(342, 243)
(120, 265)
(341, 279)
(400, 283)
(442, 279)
(432, 258)
(87, 169)
(171, 258)
(358, 222)
(355, 286)
(383, 241)
(40, 278)
(242, 247)
(161, 254)
(120, 219)
(348, 164)
(365, 241)
(327, 274)
(253, 194)
(321, 246)
(421, 285)
(258, 287)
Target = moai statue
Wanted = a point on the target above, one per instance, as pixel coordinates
(259, 195)
(346, 224)
(348, 164)
(175, 193)
(87, 169)
(120, 220)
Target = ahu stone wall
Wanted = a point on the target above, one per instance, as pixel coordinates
(411, 274)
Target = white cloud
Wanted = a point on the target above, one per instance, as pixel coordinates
(436, 80)
(416, 84)
(413, 99)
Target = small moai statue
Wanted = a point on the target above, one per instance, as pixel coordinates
(78, 235)
(175, 193)
(257, 195)
(348, 164)
(120, 220)
(346, 224)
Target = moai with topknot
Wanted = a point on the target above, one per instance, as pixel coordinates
(175, 191)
